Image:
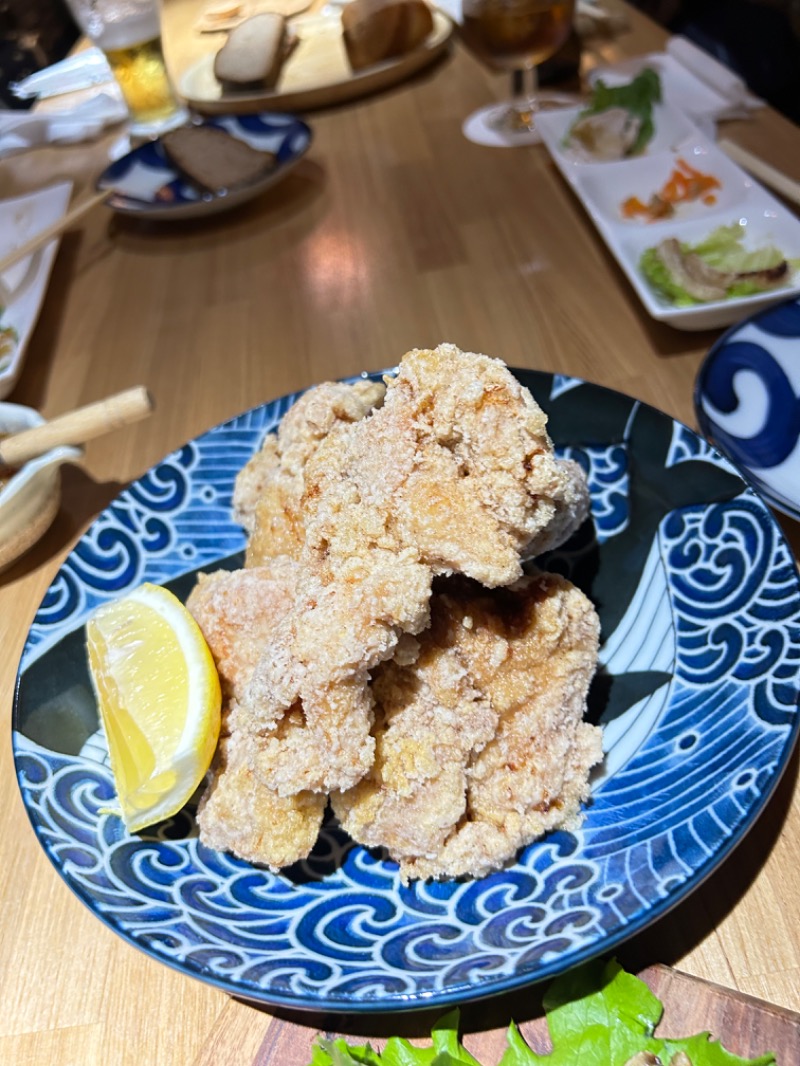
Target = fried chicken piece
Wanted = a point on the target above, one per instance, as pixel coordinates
(481, 745)
(269, 488)
(238, 612)
(572, 507)
(454, 473)
(237, 813)
(431, 719)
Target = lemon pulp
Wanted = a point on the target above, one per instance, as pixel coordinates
(159, 698)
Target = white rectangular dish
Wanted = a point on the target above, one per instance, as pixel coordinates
(602, 187)
(23, 285)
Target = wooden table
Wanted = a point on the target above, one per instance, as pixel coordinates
(394, 232)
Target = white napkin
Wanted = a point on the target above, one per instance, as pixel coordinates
(80, 71)
(739, 101)
(20, 130)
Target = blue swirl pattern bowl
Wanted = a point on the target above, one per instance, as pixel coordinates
(146, 184)
(699, 599)
(747, 398)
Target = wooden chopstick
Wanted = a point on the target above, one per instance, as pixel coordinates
(769, 175)
(33, 244)
(78, 426)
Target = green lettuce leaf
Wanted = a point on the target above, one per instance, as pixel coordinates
(447, 1049)
(339, 1053)
(597, 1015)
(724, 248)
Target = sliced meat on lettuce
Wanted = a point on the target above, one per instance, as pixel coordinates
(718, 268)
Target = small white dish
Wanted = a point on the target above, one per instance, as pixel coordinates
(602, 186)
(23, 285)
(30, 496)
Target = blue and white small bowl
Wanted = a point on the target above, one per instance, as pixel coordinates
(146, 184)
(747, 399)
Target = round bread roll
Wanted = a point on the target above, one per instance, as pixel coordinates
(376, 30)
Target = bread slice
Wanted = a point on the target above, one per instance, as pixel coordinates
(253, 54)
(376, 30)
(214, 159)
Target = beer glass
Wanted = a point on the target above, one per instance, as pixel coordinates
(129, 33)
(515, 35)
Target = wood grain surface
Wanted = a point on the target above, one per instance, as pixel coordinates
(394, 232)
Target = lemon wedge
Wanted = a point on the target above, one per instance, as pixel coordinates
(159, 697)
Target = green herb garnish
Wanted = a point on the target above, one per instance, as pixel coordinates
(636, 97)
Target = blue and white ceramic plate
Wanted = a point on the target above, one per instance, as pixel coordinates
(146, 183)
(699, 601)
(747, 398)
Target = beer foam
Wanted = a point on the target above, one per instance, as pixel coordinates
(128, 31)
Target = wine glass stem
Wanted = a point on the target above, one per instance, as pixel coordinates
(525, 84)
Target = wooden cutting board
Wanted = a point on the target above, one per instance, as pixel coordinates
(248, 1036)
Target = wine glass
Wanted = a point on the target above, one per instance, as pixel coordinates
(515, 35)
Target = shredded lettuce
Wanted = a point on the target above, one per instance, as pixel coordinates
(723, 249)
(597, 1015)
(637, 96)
(446, 1050)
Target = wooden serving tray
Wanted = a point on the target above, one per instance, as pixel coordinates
(745, 1025)
(316, 74)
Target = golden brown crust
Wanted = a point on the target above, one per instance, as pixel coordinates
(355, 508)
(376, 30)
(480, 743)
(269, 489)
(238, 612)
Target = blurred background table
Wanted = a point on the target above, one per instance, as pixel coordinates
(394, 232)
